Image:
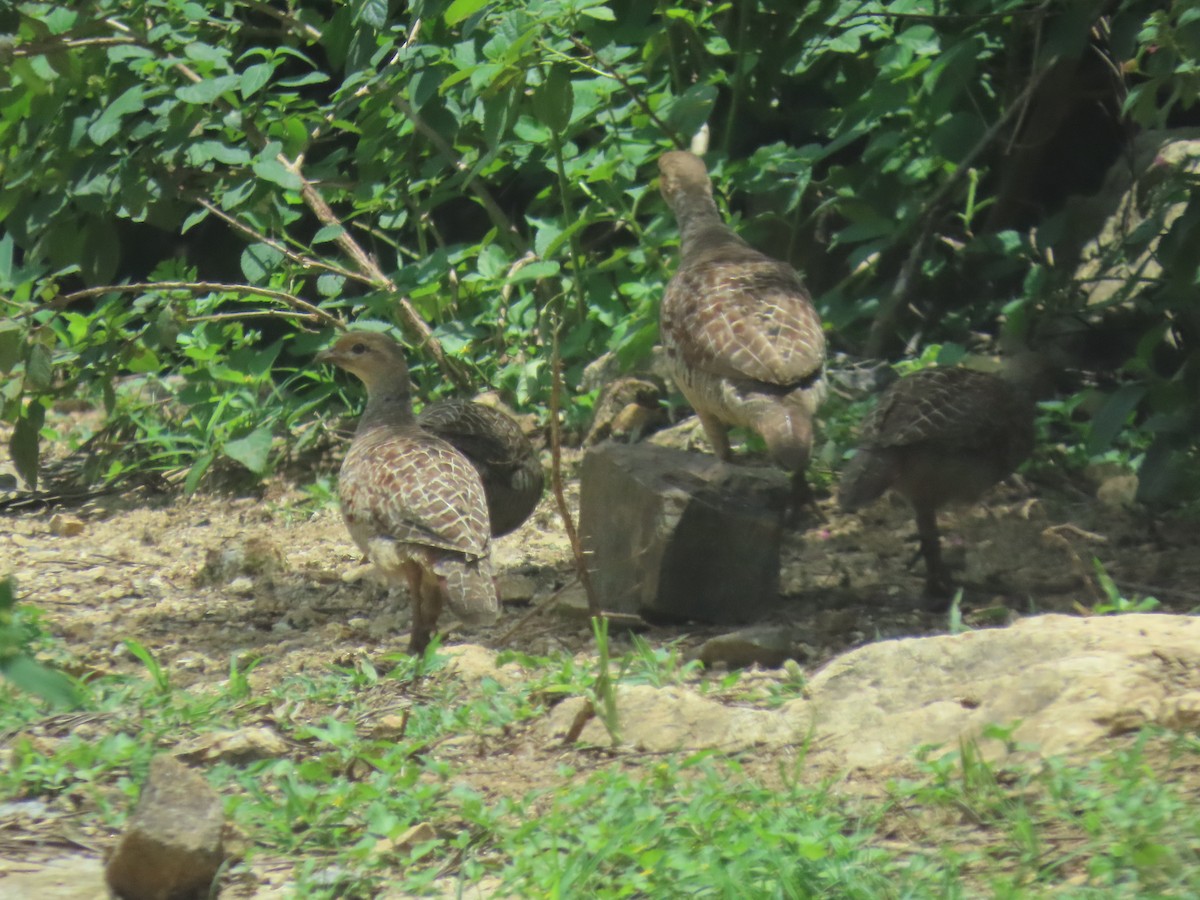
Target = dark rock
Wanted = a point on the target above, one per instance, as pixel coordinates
(767, 646)
(674, 536)
(172, 847)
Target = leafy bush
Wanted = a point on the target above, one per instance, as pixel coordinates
(196, 194)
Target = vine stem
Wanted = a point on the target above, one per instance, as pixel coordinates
(556, 476)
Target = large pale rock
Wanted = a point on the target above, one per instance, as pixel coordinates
(659, 720)
(172, 847)
(675, 536)
(65, 878)
(1069, 683)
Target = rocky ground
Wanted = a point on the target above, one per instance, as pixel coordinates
(201, 580)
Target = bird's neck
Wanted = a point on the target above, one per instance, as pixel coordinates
(388, 403)
(700, 225)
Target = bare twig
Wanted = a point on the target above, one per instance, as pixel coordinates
(300, 258)
(303, 308)
(303, 29)
(410, 318)
(633, 95)
(556, 476)
(898, 298)
(40, 48)
(905, 280)
(504, 226)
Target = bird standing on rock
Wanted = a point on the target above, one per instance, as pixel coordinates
(939, 436)
(500, 452)
(743, 338)
(411, 502)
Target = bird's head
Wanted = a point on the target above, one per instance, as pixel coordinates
(682, 173)
(373, 357)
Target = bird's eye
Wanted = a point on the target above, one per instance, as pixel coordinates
(358, 349)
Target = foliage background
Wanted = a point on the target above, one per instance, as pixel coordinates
(196, 195)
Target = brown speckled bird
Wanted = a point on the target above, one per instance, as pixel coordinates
(413, 504)
(743, 338)
(939, 436)
(501, 453)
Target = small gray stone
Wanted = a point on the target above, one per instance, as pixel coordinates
(767, 646)
(172, 847)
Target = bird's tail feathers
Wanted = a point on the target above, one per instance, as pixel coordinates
(470, 590)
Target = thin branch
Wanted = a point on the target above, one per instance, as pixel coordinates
(299, 258)
(40, 48)
(905, 281)
(941, 17)
(302, 29)
(504, 225)
(317, 204)
(303, 308)
(556, 476)
(633, 95)
(252, 314)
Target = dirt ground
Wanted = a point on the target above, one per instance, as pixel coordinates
(198, 580)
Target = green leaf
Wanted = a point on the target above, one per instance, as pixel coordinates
(603, 13)
(330, 285)
(372, 12)
(109, 122)
(10, 345)
(254, 78)
(24, 444)
(554, 99)
(1112, 417)
(29, 675)
(143, 361)
(196, 472)
(99, 251)
(328, 233)
(6, 260)
(691, 109)
(542, 269)
(277, 173)
(210, 89)
(253, 451)
(259, 261)
(39, 369)
(463, 9)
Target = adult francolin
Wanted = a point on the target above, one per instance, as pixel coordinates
(743, 338)
(939, 436)
(411, 502)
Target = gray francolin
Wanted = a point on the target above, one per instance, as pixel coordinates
(501, 453)
(743, 338)
(411, 502)
(938, 436)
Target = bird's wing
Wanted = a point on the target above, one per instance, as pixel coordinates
(743, 318)
(954, 407)
(415, 488)
(486, 436)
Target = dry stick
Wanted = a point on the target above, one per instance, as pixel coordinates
(556, 480)
(904, 282)
(408, 313)
(633, 95)
(898, 297)
(303, 307)
(324, 213)
(294, 256)
(504, 226)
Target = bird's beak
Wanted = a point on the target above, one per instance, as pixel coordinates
(327, 356)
